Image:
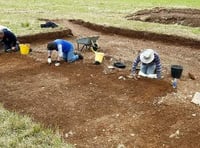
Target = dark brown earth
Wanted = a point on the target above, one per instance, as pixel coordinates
(76, 97)
(41, 37)
(94, 109)
(180, 16)
(143, 35)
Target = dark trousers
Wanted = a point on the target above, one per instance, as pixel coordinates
(9, 45)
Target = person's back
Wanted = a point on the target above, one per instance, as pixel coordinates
(66, 45)
(9, 36)
(9, 40)
(65, 50)
(150, 64)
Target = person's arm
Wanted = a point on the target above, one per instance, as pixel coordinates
(158, 66)
(59, 53)
(135, 64)
(49, 53)
(49, 56)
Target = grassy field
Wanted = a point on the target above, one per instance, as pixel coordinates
(20, 132)
(22, 15)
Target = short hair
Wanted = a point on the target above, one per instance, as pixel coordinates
(52, 46)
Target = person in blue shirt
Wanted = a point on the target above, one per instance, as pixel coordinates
(9, 40)
(65, 51)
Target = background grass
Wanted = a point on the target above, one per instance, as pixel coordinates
(22, 16)
(20, 132)
(14, 13)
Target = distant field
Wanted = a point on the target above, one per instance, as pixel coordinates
(22, 15)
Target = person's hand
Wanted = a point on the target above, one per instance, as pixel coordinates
(13, 48)
(132, 76)
(57, 63)
(49, 60)
(135, 76)
(160, 77)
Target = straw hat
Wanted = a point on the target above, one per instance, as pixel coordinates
(147, 56)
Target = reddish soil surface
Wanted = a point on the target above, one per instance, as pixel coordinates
(92, 107)
(186, 17)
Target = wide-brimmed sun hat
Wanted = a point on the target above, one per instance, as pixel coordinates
(147, 56)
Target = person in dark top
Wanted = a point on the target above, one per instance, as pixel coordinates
(9, 40)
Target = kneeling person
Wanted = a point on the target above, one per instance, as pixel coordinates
(150, 64)
(9, 40)
(65, 50)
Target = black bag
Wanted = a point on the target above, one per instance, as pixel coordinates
(49, 25)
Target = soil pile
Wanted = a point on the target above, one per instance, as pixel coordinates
(186, 17)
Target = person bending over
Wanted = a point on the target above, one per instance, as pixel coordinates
(150, 64)
(9, 40)
(65, 51)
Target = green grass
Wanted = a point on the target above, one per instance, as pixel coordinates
(20, 132)
(22, 16)
(14, 13)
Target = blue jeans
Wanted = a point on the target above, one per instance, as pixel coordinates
(148, 68)
(70, 56)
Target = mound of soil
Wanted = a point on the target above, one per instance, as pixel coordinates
(40, 37)
(164, 38)
(186, 17)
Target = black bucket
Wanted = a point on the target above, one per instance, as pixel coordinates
(176, 71)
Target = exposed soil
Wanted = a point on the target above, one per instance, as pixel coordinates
(164, 38)
(41, 37)
(75, 97)
(92, 107)
(180, 16)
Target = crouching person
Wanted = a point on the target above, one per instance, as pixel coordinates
(150, 64)
(9, 40)
(65, 51)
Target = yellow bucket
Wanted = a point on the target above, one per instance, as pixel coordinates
(99, 57)
(24, 49)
